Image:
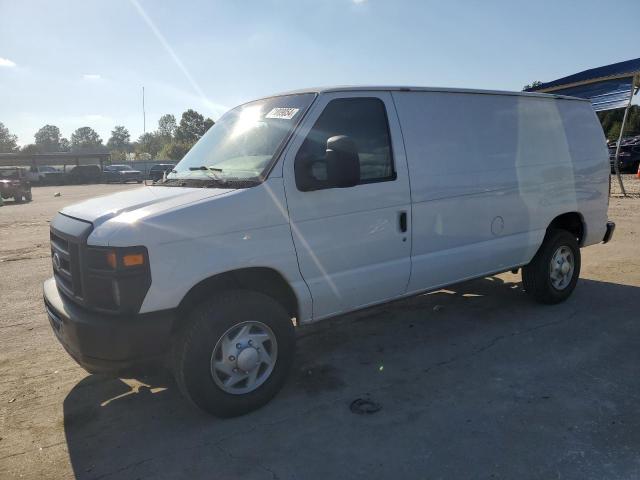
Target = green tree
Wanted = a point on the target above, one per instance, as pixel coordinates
(65, 146)
(614, 131)
(535, 83)
(118, 155)
(167, 126)
(192, 126)
(120, 139)
(31, 149)
(48, 138)
(8, 141)
(149, 143)
(173, 151)
(611, 121)
(85, 139)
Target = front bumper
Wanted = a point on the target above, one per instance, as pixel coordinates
(102, 343)
(133, 177)
(609, 233)
(8, 192)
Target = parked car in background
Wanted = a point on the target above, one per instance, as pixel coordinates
(157, 171)
(14, 183)
(84, 174)
(45, 175)
(629, 157)
(121, 174)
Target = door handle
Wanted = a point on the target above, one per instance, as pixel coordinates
(402, 221)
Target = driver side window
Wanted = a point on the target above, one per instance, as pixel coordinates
(361, 119)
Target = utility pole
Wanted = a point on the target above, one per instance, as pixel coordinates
(144, 115)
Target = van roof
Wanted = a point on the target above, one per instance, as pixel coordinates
(358, 88)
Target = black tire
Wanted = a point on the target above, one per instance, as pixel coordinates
(536, 277)
(28, 196)
(207, 323)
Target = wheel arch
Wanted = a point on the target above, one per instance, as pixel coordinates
(572, 222)
(265, 280)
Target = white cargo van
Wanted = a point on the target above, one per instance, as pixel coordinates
(318, 202)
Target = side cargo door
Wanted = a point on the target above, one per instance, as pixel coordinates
(353, 243)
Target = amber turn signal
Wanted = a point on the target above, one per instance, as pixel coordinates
(133, 259)
(112, 259)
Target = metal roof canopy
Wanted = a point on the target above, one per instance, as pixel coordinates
(608, 87)
(58, 158)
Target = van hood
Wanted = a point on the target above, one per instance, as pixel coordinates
(145, 200)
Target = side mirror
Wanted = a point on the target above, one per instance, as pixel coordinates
(340, 167)
(343, 162)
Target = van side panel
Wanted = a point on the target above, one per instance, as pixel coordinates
(588, 147)
(248, 228)
(490, 172)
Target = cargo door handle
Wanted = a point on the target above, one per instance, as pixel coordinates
(402, 221)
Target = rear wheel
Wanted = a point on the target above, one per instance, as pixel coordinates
(235, 353)
(553, 273)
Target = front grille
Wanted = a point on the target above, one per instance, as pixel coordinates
(68, 236)
(66, 262)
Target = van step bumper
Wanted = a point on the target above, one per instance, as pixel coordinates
(110, 344)
(609, 233)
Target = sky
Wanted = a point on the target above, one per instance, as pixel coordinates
(75, 63)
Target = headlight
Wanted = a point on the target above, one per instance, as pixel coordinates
(117, 258)
(117, 278)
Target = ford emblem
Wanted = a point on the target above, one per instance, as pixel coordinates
(56, 261)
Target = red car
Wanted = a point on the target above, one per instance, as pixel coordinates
(14, 184)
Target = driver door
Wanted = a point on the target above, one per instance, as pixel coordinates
(353, 243)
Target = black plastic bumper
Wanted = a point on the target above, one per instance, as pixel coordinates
(103, 343)
(609, 233)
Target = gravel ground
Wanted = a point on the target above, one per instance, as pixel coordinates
(631, 185)
(475, 381)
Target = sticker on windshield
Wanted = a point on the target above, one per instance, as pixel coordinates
(284, 113)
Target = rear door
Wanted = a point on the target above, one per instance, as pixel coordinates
(353, 244)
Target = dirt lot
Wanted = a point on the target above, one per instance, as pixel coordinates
(475, 381)
(631, 186)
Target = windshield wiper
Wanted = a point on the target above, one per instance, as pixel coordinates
(211, 182)
(206, 167)
(212, 171)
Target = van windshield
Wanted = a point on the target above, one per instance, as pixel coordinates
(241, 145)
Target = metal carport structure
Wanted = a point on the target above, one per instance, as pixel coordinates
(608, 87)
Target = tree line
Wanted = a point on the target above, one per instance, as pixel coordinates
(611, 121)
(170, 141)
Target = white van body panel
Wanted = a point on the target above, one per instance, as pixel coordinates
(138, 203)
(480, 174)
(192, 234)
(488, 175)
(350, 249)
(248, 228)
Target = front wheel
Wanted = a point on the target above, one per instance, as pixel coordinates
(553, 273)
(234, 354)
